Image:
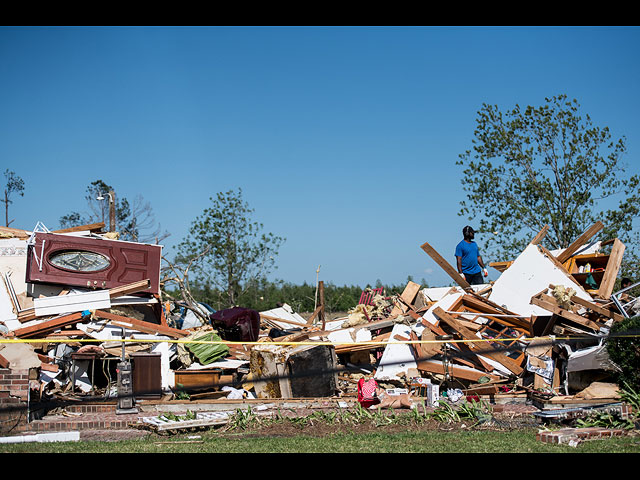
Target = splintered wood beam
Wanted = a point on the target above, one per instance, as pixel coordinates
(487, 307)
(541, 234)
(594, 307)
(313, 316)
(548, 303)
(580, 241)
(452, 272)
(611, 270)
(145, 327)
(467, 334)
(48, 325)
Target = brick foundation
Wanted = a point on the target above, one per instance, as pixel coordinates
(14, 400)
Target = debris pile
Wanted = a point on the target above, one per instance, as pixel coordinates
(79, 301)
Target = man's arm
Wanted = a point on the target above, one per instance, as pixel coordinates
(459, 261)
(481, 263)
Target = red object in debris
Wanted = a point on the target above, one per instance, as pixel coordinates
(237, 324)
(367, 392)
(473, 398)
(366, 297)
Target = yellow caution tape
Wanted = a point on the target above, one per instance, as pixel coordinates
(229, 343)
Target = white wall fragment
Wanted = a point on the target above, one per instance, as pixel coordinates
(72, 302)
(529, 274)
(397, 358)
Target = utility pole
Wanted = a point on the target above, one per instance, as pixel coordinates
(112, 211)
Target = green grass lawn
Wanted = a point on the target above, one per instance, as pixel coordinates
(471, 441)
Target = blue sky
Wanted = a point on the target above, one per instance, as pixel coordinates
(343, 139)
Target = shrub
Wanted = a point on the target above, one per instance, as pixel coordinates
(623, 348)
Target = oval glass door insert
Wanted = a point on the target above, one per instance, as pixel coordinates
(79, 261)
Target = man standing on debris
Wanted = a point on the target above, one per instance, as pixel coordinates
(470, 264)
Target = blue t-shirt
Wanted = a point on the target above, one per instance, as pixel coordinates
(469, 253)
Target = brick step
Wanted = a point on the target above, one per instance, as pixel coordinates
(567, 435)
(83, 408)
(85, 421)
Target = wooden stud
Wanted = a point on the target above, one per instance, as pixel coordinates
(452, 272)
(541, 234)
(611, 270)
(580, 241)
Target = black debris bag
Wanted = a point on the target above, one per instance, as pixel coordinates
(237, 324)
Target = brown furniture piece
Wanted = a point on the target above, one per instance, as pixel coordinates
(147, 376)
(197, 379)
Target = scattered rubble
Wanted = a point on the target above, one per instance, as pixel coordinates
(74, 303)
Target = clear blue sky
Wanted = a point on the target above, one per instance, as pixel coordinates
(343, 139)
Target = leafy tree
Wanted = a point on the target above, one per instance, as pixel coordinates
(15, 184)
(134, 221)
(547, 165)
(234, 253)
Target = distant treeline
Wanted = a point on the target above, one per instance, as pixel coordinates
(301, 298)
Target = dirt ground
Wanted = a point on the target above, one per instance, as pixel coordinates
(500, 421)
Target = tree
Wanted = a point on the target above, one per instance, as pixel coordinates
(236, 254)
(134, 221)
(15, 184)
(542, 166)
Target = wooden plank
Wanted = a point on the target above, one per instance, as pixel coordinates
(580, 241)
(92, 227)
(435, 366)
(540, 235)
(501, 266)
(452, 272)
(16, 232)
(68, 333)
(407, 297)
(611, 270)
(130, 288)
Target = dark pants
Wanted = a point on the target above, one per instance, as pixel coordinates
(474, 278)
